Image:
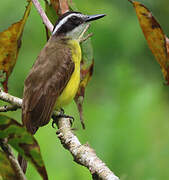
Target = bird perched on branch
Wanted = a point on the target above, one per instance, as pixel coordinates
(54, 78)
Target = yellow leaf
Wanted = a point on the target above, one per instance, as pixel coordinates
(10, 42)
(156, 39)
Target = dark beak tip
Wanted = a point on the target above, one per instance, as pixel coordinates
(95, 17)
(100, 15)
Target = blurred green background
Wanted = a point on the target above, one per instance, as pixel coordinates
(127, 105)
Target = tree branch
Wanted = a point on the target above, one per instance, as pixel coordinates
(82, 154)
(15, 101)
(14, 162)
(45, 19)
(8, 108)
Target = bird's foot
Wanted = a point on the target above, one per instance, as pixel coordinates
(56, 117)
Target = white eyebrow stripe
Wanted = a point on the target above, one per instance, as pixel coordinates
(63, 21)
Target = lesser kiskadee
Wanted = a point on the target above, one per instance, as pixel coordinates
(54, 78)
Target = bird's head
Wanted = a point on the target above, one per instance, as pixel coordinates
(72, 24)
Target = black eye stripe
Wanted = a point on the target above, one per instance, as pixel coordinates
(73, 21)
(74, 17)
(70, 23)
(64, 15)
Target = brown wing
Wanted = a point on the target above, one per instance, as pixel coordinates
(45, 82)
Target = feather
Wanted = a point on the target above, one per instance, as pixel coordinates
(45, 82)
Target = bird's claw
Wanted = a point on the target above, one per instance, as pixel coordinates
(61, 115)
(55, 120)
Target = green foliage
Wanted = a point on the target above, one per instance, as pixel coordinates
(10, 43)
(2, 76)
(6, 171)
(126, 107)
(23, 142)
(87, 51)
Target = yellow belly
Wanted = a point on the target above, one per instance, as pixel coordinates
(72, 86)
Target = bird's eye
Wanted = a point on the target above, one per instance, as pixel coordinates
(74, 18)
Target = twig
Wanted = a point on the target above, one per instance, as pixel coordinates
(86, 37)
(83, 32)
(8, 108)
(10, 99)
(14, 162)
(81, 38)
(45, 19)
(83, 154)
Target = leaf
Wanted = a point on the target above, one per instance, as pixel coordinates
(156, 39)
(10, 43)
(55, 5)
(60, 6)
(26, 145)
(6, 170)
(86, 72)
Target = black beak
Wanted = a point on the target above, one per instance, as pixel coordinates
(94, 17)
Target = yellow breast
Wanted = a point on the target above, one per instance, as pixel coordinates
(71, 88)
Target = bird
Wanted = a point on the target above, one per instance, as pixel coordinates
(53, 81)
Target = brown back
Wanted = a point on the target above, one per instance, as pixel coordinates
(45, 82)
